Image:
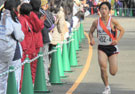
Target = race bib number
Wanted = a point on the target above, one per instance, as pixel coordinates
(104, 39)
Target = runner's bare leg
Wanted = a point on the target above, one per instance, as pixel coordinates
(113, 64)
(103, 59)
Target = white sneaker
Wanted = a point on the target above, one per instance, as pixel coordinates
(107, 90)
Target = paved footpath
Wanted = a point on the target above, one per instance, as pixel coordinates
(122, 83)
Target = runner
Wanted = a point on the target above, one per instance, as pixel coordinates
(107, 42)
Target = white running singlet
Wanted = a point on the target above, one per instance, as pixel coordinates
(103, 37)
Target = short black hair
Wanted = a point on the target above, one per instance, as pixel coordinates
(18, 2)
(80, 15)
(25, 8)
(36, 4)
(11, 5)
(105, 3)
(55, 5)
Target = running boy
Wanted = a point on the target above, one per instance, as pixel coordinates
(107, 42)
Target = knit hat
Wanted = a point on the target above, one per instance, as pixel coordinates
(44, 2)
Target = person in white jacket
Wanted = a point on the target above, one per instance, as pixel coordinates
(79, 16)
(10, 33)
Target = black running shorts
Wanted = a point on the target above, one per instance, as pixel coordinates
(108, 49)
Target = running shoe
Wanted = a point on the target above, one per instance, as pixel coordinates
(107, 90)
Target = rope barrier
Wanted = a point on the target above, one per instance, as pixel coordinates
(69, 41)
(34, 58)
(51, 52)
(29, 61)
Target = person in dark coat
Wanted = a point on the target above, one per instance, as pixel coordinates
(48, 26)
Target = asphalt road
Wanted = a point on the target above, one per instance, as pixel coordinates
(122, 83)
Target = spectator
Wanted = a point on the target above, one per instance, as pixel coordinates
(77, 18)
(48, 27)
(10, 33)
(93, 4)
(67, 5)
(118, 5)
(61, 27)
(37, 22)
(17, 61)
(28, 44)
(76, 7)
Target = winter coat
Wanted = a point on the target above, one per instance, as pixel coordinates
(60, 27)
(7, 43)
(75, 22)
(48, 25)
(28, 44)
(37, 25)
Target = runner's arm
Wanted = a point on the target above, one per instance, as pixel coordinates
(118, 27)
(92, 29)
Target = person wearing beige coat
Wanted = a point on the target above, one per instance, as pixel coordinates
(60, 29)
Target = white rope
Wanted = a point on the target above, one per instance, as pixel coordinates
(34, 58)
(68, 41)
(4, 73)
(29, 61)
(50, 52)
